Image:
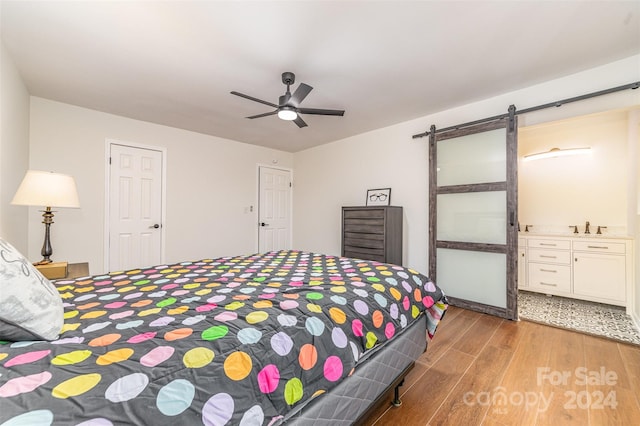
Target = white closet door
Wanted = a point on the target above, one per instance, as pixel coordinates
(275, 209)
(135, 207)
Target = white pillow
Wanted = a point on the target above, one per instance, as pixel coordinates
(30, 306)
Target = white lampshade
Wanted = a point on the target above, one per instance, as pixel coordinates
(47, 189)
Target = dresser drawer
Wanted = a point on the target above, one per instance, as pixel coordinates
(363, 214)
(549, 256)
(363, 236)
(363, 253)
(549, 244)
(555, 278)
(364, 242)
(375, 226)
(598, 246)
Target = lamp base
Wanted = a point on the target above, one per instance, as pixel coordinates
(47, 251)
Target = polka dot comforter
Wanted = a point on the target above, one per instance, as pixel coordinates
(237, 340)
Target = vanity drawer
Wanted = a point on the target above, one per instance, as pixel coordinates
(599, 246)
(549, 256)
(555, 278)
(549, 244)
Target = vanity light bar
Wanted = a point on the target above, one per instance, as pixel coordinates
(557, 152)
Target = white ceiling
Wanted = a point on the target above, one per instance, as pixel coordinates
(384, 62)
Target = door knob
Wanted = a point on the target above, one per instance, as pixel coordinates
(264, 224)
(156, 226)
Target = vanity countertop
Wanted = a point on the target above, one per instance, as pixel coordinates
(572, 235)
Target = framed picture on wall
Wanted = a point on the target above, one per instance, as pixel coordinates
(379, 197)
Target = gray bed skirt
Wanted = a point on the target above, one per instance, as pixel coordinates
(354, 396)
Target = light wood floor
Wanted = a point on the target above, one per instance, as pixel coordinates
(482, 370)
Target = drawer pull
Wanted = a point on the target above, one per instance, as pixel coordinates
(548, 257)
(549, 284)
(548, 244)
(548, 270)
(598, 247)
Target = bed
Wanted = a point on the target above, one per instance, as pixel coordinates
(285, 337)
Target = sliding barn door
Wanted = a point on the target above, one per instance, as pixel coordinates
(473, 215)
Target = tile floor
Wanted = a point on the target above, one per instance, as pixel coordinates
(587, 317)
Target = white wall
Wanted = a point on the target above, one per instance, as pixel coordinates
(338, 174)
(14, 150)
(634, 133)
(554, 193)
(210, 181)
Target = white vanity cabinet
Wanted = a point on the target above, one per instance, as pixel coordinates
(599, 270)
(522, 263)
(589, 268)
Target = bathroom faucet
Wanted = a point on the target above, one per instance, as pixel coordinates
(586, 228)
(575, 228)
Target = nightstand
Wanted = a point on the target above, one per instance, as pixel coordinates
(63, 270)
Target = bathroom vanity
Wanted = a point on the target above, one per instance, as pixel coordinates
(587, 267)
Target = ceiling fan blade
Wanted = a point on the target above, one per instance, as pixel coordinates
(300, 122)
(266, 114)
(301, 92)
(318, 111)
(251, 98)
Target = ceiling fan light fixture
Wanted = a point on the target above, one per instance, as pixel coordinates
(287, 113)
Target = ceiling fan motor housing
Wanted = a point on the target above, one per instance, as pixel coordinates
(284, 99)
(288, 78)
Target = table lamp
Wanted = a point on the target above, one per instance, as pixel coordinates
(49, 190)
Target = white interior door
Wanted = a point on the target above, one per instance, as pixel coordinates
(135, 207)
(274, 216)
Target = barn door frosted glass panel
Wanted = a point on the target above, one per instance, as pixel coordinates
(474, 276)
(471, 227)
(476, 158)
(476, 217)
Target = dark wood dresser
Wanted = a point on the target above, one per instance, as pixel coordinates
(372, 233)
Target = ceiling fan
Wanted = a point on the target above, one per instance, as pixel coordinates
(288, 107)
